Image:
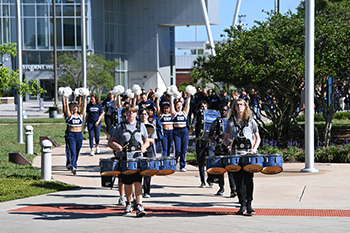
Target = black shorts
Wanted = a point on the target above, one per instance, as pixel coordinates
(130, 179)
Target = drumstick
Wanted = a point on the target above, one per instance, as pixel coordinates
(231, 143)
(125, 146)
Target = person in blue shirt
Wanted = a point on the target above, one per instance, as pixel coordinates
(94, 114)
(109, 104)
(144, 102)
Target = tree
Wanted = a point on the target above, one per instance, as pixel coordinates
(98, 71)
(267, 58)
(9, 78)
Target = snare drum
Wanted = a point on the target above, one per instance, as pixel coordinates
(216, 165)
(109, 167)
(252, 163)
(129, 166)
(272, 164)
(166, 166)
(232, 163)
(149, 166)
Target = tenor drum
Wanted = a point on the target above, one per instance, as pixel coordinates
(252, 163)
(204, 120)
(149, 166)
(129, 166)
(272, 164)
(109, 167)
(216, 165)
(232, 163)
(166, 166)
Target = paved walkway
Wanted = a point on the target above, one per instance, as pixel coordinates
(287, 202)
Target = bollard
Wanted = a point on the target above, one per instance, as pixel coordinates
(46, 160)
(29, 139)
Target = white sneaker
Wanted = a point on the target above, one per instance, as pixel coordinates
(183, 169)
(98, 150)
(92, 153)
(129, 208)
(122, 201)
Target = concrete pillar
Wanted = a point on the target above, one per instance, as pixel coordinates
(46, 153)
(29, 139)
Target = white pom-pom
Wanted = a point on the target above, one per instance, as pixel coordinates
(84, 91)
(172, 89)
(60, 90)
(67, 92)
(76, 91)
(129, 93)
(136, 88)
(132, 95)
(117, 90)
(191, 90)
(177, 95)
(138, 92)
(158, 94)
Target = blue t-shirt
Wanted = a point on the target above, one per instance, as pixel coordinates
(145, 104)
(94, 112)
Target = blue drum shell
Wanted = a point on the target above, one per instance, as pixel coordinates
(233, 163)
(273, 164)
(129, 166)
(166, 166)
(216, 165)
(109, 167)
(252, 163)
(149, 166)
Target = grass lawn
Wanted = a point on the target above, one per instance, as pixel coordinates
(19, 181)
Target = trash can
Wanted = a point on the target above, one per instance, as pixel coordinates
(53, 112)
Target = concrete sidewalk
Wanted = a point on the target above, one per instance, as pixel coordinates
(286, 202)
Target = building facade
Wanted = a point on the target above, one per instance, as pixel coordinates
(140, 34)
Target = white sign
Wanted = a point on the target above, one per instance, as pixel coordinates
(37, 67)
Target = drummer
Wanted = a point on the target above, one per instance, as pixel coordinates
(130, 140)
(215, 134)
(201, 146)
(151, 151)
(241, 124)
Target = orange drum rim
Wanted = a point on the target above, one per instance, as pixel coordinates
(252, 168)
(216, 170)
(233, 168)
(149, 172)
(272, 170)
(110, 173)
(129, 172)
(165, 172)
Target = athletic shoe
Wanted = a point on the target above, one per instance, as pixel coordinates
(202, 185)
(210, 183)
(69, 167)
(140, 211)
(146, 195)
(242, 210)
(98, 150)
(92, 153)
(250, 210)
(220, 192)
(183, 169)
(233, 194)
(129, 207)
(122, 201)
(74, 170)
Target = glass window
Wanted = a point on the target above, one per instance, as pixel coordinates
(78, 10)
(58, 10)
(68, 33)
(5, 10)
(58, 33)
(42, 34)
(68, 10)
(24, 58)
(13, 10)
(78, 25)
(42, 10)
(28, 1)
(33, 57)
(46, 57)
(6, 30)
(0, 32)
(43, 1)
(28, 33)
(28, 10)
(13, 24)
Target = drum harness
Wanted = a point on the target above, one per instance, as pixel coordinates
(220, 148)
(133, 144)
(200, 129)
(241, 143)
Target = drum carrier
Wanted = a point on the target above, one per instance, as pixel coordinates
(133, 144)
(220, 148)
(241, 143)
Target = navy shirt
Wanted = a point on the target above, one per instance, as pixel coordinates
(143, 104)
(94, 112)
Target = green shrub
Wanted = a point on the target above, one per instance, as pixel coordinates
(293, 154)
(317, 117)
(345, 115)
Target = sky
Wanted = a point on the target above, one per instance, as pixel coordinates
(251, 8)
